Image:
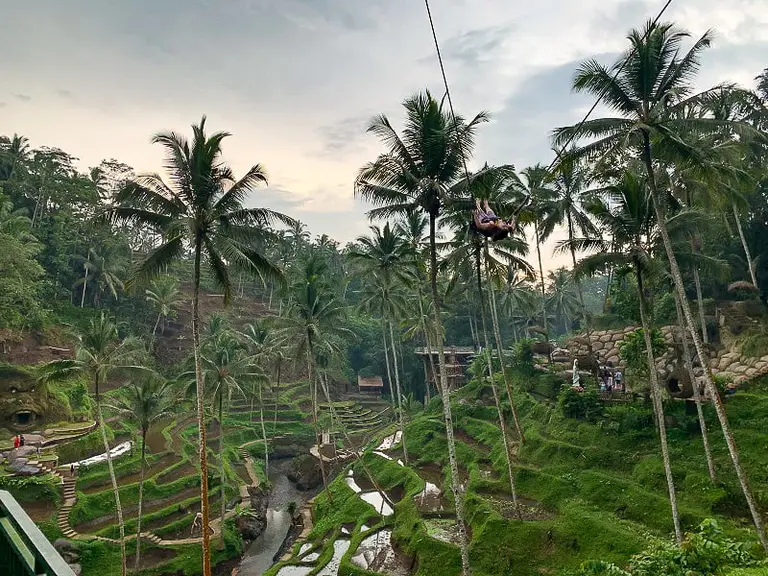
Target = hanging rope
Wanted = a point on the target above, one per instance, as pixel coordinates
(602, 94)
(578, 126)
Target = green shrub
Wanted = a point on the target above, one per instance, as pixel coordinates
(523, 356)
(631, 418)
(665, 310)
(706, 552)
(579, 405)
(30, 488)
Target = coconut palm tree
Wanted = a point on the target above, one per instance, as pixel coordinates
(227, 369)
(625, 211)
(163, 294)
(466, 262)
(421, 171)
(535, 182)
(201, 210)
(567, 207)
(647, 87)
(100, 354)
(562, 301)
(383, 257)
(264, 350)
(146, 401)
(103, 270)
(14, 152)
(311, 324)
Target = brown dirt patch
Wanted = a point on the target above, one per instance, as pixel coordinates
(39, 510)
(151, 557)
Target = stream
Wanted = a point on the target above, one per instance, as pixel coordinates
(259, 555)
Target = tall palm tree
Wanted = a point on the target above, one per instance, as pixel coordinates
(646, 87)
(311, 325)
(202, 210)
(535, 182)
(384, 255)
(103, 270)
(146, 401)
(567, 207)
(626, 213)
(13, 152)
(264, 350)
(421, 171)
(227, 368)
(100, 354)
(562, 301)
(163, 293)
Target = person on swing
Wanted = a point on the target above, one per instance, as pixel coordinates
(490, 224)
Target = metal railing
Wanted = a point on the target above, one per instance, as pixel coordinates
(24, 551)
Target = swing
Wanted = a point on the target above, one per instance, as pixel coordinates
(496, 229)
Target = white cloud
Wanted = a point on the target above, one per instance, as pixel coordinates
(296, 80)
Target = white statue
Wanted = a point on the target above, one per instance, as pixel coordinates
(576, 382)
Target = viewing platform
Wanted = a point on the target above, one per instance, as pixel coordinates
(24, 551)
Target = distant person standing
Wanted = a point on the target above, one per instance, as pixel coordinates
(22, 441)
(619, 380)
(16, 441)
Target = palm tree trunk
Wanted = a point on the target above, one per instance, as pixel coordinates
(473, 331)
(443, 389)
(277, 395)
(658, 408)
(430, 359)
(579, 290)
(85, 280)
(386, 352)
(154, 330)
(700, 302)
(222, 475)
(399, 393)
(499, 346)
(607, 298)
(313, 394)
(264, 435)
(691, 325)
(696, 391)
(492, 380)
(253, 397)
(744, 245)
(141, 500)
(541, 285)
(200, 398)
(112, 477)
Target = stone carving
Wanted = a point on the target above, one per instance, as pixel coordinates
(25, 403)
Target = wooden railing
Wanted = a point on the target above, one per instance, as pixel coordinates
(24, 551)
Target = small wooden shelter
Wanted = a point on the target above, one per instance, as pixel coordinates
(370, 385)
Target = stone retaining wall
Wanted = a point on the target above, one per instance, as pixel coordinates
(671, 369)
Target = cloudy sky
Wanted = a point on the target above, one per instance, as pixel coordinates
(296, 81)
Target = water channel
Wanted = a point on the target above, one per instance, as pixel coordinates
(260, 553)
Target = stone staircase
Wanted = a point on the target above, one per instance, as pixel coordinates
(70, 498)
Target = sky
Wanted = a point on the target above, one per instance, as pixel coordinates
(297, 81)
